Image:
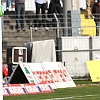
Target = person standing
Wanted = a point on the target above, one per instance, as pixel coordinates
(20, 14)
(96, 13)
(4, 71)
(89, 5)
(55, 7)
(40, 4)
(7, 4)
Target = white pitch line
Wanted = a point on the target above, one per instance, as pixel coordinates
(80, 97)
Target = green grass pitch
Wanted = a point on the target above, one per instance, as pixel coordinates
(84, 90)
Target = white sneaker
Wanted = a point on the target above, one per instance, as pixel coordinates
(46, 28)
(92, 17)
(7, 9)
(35, 28)
(89, 17)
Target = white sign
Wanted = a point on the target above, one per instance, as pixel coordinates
(59, 74)
(52, 73)
(36, 72)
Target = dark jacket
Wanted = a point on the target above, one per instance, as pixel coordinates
(57, 1)
(52, 8)
(95, 12)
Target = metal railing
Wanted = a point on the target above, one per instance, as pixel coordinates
(42, 28)
(75, 25)
(74, 50)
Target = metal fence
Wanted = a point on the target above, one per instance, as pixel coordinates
(73, 50)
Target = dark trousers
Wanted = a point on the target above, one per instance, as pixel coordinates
(97, 28)
(8, 3)
(59, 11)
(20, 15)
(43, 8)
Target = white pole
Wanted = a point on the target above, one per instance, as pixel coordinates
(1, 88)
(72, 4)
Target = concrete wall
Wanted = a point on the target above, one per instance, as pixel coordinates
(72, 4)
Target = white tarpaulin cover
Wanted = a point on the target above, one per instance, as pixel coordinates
(43, 51)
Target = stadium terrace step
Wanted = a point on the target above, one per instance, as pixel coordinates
(11, 37)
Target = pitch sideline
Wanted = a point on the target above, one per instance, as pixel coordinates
(73, 97)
